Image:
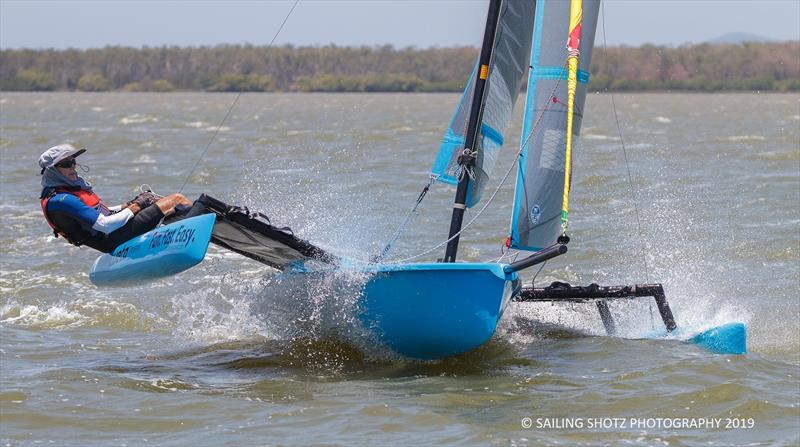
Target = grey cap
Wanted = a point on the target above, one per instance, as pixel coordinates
(55, 154)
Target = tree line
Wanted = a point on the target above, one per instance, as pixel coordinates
(227, 68)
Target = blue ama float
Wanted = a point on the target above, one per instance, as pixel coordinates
(159, 253)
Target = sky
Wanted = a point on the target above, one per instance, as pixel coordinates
(433, 23)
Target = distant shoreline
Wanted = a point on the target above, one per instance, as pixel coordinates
(243, 68)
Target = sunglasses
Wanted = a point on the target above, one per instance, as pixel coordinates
(66, 163)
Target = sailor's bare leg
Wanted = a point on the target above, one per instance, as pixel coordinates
(167, 204)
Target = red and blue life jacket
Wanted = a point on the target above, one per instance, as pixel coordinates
(75, 234)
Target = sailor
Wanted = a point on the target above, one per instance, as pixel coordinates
(76, 213)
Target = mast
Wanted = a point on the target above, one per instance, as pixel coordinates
(467, 159)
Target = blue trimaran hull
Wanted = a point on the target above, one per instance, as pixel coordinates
(165, 251)
(430, 311)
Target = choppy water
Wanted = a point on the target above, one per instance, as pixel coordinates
(225, 354)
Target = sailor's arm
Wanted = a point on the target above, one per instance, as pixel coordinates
(135, 208)
(107, 224)
(71, 205)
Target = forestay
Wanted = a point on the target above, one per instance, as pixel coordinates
(536, 220)
(506, 71)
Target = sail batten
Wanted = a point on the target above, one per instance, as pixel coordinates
(542, 190)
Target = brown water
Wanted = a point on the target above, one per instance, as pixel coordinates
(215, 357)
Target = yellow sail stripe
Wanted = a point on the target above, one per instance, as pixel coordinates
(576, 13)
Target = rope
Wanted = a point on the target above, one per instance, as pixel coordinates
(230, 109)
(505, 253)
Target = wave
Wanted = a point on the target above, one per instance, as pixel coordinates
(790, 155)
(745, 138)
(80, 313)
(145, 159)
(206, 127)
(599, 137)
(138, 119)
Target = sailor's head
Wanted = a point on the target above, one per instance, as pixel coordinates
(62, 159)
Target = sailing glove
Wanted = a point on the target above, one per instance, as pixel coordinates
(144, 199)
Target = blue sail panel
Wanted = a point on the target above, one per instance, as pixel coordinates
(445, 166)
(507, 68)
(536, 216)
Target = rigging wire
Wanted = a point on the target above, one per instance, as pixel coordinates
(464, 228)
(533, 280)
(230, 109)
(631, 190)
(402, 226)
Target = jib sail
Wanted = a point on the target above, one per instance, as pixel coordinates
(508, 65)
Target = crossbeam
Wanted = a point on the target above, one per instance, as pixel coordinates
(563, 292)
